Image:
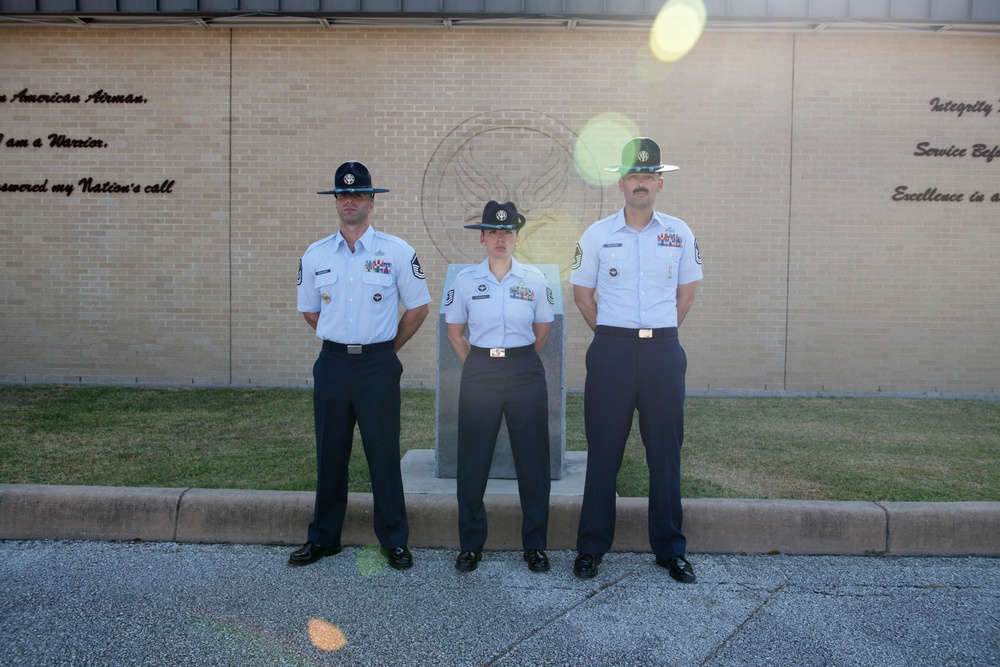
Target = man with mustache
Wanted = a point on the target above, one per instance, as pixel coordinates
(349, 290)
(634, 279)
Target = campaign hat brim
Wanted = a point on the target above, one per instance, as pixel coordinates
(340, 191)
(516, 226)
(658, 169)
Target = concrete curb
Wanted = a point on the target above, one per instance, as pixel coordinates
(712, 525)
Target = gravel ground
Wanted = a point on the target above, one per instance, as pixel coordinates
(135, 603)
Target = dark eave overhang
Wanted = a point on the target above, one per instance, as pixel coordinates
(904, 16)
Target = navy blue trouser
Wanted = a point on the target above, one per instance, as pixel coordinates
(511, 388)
(361, 389)
(625, 374)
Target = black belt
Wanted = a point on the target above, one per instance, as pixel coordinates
(357, 349)
(497, 352)
(636, 333)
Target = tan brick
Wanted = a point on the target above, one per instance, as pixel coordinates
(790, 147)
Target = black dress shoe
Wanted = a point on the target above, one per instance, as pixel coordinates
(585, 565)
(679, 568)
(400, 558)
(310, 553)
(537, 560)
(467, 561)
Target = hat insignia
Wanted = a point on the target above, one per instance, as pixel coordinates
(643, 156)
(349, 179)
(501, 215)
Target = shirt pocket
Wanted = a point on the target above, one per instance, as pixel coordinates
(520, 316)
(668, 261)
(614, 262)
(614, 256)
(377, 286)
(480, 306)
(376, 279)
(324, 282)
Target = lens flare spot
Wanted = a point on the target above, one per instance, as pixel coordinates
(600, 144)
(677, 28)
(326, 636)
(370, 561)
(651, 69)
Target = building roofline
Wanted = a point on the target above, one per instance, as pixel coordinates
(901, 16)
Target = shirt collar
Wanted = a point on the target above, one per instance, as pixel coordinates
(366, 241)
(516, 269)
(619, 221)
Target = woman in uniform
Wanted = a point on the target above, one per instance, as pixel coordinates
(507, 308)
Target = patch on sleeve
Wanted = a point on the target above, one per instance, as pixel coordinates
(697, 251)
(550, 296)
(577, 258)
(418, 272)
(450, 298)
(300, 273)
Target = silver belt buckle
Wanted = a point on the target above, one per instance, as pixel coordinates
(353, 349)
(645, 333)
(498, 352)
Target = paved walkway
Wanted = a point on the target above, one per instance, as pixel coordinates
(139, 603)
(186, 577)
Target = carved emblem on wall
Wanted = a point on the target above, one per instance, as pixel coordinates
(510, 155)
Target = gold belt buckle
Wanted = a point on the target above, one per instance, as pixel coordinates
(353, 349)
(498, 352)
(645, 333)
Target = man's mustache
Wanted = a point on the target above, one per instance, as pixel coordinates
(638, 190)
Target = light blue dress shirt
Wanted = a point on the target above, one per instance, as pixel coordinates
(499, 313)
(637, 273)
(357, 294)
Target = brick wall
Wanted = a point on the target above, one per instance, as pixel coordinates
(790, 148)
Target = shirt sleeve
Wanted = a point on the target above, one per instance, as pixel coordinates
(689, 270)
(585, 264)
(455, 311)
(308, 297)
(410, 281)
(543, 305)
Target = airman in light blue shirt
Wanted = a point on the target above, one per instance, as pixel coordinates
(507, 309)
(500, 312)
(637, 272)
(357, 292)
(634, 279)
(350, 286)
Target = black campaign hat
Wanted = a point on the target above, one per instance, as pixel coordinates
(641, 154)
(500, 216)
(352, 176)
